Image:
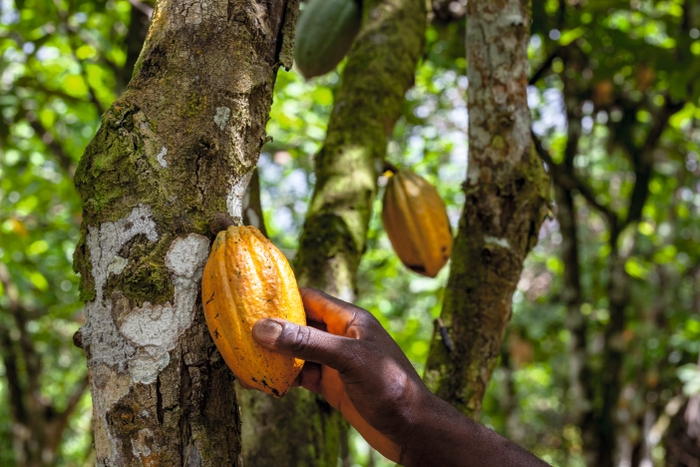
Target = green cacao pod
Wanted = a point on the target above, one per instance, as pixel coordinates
(415, 219)
(325, 31)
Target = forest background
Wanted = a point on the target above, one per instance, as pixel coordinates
(614, 279)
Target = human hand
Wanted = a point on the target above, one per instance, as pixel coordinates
(355, 365)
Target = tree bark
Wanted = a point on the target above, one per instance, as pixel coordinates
(506, 200)
(379, 70)
(174, 150)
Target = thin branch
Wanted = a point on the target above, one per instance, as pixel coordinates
(643, 158)
(140, 17)
(570, 181)
(544, 67)
(252, 205)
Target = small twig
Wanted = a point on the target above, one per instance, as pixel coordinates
(544, 67)
(220, 222)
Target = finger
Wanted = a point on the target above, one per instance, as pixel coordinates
(306, 343)
(310, 377)
(336, 313)
(317, 324)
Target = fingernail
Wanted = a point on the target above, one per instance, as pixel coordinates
(266, 331)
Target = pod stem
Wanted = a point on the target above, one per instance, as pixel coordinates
(221, 222)
(388, 166)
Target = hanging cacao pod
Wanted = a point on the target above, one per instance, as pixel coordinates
(325, 31)
(415, 219)
(247, 278)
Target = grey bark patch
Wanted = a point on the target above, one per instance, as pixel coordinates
(192, 456)
(155, 329)
(161, 157)
(222, 116)
(234, 201)
(103, 245)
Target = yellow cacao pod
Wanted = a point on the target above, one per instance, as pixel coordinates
(415, 219)
(245, 279)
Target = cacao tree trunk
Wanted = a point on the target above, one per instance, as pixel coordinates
(301, 429)
(175, 149)
(506, 200)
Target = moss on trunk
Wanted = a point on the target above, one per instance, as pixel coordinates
(379, 70)
(174, 150)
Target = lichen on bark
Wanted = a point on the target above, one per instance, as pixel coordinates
(172, 151)
(507, 194)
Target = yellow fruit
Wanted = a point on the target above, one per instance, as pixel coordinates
(245, 279)
(415, 219)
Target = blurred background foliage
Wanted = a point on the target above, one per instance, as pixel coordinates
(608, 73)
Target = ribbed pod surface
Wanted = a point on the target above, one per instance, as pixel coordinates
(415, 219)
(247, 278)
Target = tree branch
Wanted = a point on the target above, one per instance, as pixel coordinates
(252, 205)
(643, 159)
(142, 7)
(570, 181)
(544, 67)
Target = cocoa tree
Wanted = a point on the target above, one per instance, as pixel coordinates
(506, 200)
(177, 147)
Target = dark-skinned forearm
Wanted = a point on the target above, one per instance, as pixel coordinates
(441, 436)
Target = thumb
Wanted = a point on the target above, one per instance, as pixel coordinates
(306, 343)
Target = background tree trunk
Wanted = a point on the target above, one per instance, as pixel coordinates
(506, 200)
(301, 429)
(175, 149)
